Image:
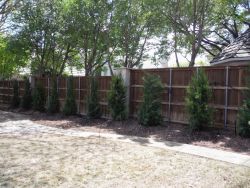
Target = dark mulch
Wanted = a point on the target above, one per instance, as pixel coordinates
(212, 138)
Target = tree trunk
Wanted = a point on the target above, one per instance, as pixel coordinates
(175, 49)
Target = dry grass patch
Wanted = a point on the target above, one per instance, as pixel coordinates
(59, 161)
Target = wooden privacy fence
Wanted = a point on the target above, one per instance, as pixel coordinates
(227, 83)
(6, 90)
(81, 89)
(80, 85)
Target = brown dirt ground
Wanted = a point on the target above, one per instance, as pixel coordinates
(212, 138)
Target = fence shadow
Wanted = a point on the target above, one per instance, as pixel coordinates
(214, 138)
(6, 116)
(179, 134)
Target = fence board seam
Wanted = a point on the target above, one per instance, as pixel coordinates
(79, 94)
(169, 95)
(226, 97)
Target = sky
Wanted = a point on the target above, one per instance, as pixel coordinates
(151, 47)
(171, 62)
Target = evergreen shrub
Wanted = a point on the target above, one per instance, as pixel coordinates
(26, 102)
(198, 96)
(53, 100)
(93, 106)
(70, 107)
(15, 101)
(244, 113)
(39, 97)
(117, 99)
(150, 110)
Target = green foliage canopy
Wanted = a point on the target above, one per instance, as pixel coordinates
(43, 26)
(92, 34)
(12, 58)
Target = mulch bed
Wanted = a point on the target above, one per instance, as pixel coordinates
(212, 138)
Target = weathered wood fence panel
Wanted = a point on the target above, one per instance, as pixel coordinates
(227, 83)
(81, 89)
(6, 90)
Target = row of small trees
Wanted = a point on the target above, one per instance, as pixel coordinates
(197, 101)
(36, 99)
(200, 113)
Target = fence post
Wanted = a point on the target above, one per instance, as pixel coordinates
(18, 86)
(79, 94)
(66, 89)
(226, 98)
(48, 86)
(32, 82)
(169, 95)
(125, 73)
(239, 85)
(57, 85)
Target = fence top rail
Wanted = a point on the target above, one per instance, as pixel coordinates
(192, 68)
(65, 77)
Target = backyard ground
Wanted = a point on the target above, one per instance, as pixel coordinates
(34, 155)
(212, 138)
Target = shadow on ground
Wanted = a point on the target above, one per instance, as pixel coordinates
(6, 117)
(213, 138)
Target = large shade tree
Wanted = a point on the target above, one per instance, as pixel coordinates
(13, 57)
(196, 27)
(111, 32)
(6, 8)
(135, 23)
(89, 20)
(229, 19)
(91, 34)
(186, 21)
(43, 25)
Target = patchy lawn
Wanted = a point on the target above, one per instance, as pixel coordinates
(36, 156)
(49, 161)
